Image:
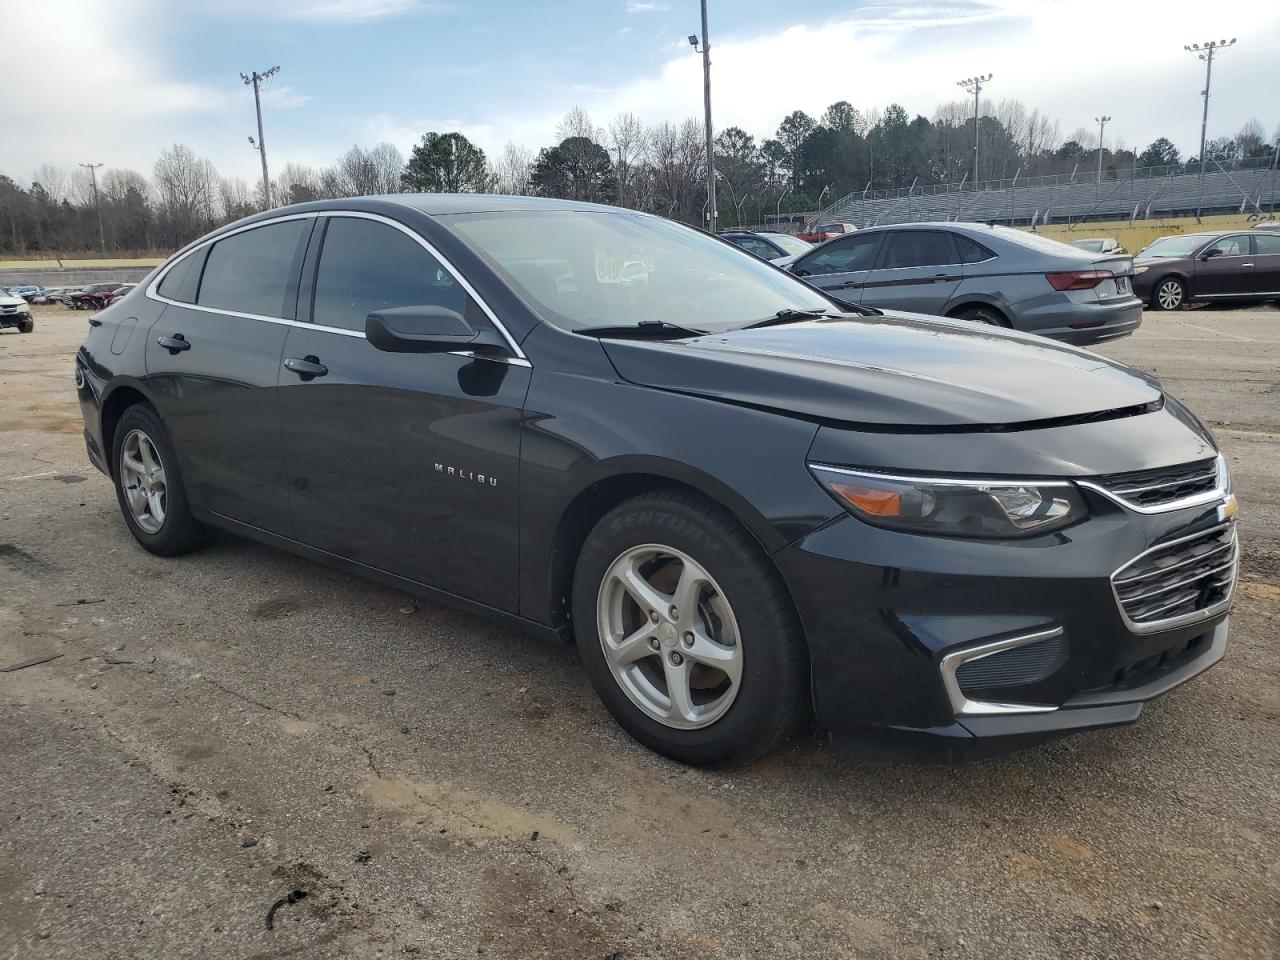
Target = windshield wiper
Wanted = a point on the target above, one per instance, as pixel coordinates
(645, 330)
(789, 316)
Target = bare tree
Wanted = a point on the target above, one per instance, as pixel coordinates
(54, 181)
(388, 165)
(187, 190)
(510, 172)
(577, 123)
(296, 183)
(629, 144)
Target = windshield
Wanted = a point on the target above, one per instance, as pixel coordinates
(793, 245)
(586, 269)
(1173, 247)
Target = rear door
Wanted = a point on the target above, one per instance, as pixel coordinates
(405, 462)
(1225, 268)
(919, 271)
(842, 266)
(212, 359)
(1266, 263)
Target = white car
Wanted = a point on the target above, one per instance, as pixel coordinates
(15, 312)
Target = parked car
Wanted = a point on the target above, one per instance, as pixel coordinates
(15, 312)
(50, 295)
(95, 296)
(1266, 225)
(26, 291)
(740, 497)
(826, 231)
(1222, 266)
(993, 275)
(768, 246)
(1099, 245)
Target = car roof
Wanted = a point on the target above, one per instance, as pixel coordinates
(436, 204)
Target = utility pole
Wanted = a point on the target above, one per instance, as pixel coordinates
(974, 86)
(1102, 126)
(255, 79)
(712, 213)
(1205, 51)
(93, 173)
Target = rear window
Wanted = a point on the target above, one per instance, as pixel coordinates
(182, 279)
(1267, 243)
(249, 272)
(971, 251)
(918, 248)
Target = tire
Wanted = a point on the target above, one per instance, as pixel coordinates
(986, 315)
(26, 326)
(742, 605)
(171, 530)
(1170, 293)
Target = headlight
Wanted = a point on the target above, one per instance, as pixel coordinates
(24, 307)
(954, 508)
(1138, 270)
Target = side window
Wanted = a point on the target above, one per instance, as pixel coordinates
(856, 252)
(918, 248)
(1266, 243)
(758, 247)
(367, 266)
(971, 251)
(1234, 246)
(249, 272)
(181, 280)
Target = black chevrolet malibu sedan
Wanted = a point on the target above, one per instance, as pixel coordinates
(743, 501)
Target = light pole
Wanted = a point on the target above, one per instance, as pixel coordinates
(777, 210)
(1102, 125)
(712, 213)
(1205, 52)
(93, 173)
(255, 80)
(974, 86)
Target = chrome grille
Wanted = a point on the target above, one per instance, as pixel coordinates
(1158, 488)
(1182, 581)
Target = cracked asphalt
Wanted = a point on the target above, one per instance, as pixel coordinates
(225, 728)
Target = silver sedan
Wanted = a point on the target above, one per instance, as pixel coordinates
(971, 271)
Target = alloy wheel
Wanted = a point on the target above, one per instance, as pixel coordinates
(669, 636)
(142, 478)
(1169, 294)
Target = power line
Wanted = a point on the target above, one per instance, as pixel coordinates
(974, 86)
(93, 174)
(255, 79)
(1205, 52)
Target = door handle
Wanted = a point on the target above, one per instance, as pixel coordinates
(307, 368)
(175, 344)
(1246, 264)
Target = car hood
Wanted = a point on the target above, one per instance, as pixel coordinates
(893, 372)
(8, 301)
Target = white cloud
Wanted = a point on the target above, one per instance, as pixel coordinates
(329, 11)
(647, 6)
(285, 97)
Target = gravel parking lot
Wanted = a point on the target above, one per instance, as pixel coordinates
(226, 728)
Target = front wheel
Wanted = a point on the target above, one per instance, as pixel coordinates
(149, 485)
(1169, 294)
(687, 632)
(26, 326)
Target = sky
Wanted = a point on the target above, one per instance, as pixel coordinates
(115, 81)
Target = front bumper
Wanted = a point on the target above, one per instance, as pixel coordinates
(890, 616)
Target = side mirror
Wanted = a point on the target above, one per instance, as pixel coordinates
(419, 329)
(1211, 253)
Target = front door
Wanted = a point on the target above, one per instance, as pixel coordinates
(405, 462)
(919, 271)
(842, 266)
(1225, 268)
(212, 365)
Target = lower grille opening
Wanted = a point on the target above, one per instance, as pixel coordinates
(1016, 667)
(1157, 665)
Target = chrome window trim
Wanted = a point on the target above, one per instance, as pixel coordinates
(1218, 494)
(947, 481)
(962, 705)
(1208, 613)
(152, 291)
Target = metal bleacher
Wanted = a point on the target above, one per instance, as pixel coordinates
(1132, 195)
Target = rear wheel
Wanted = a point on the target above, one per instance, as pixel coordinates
(988, 315)
(687, 632)
(1169, 294)
(149, 485)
